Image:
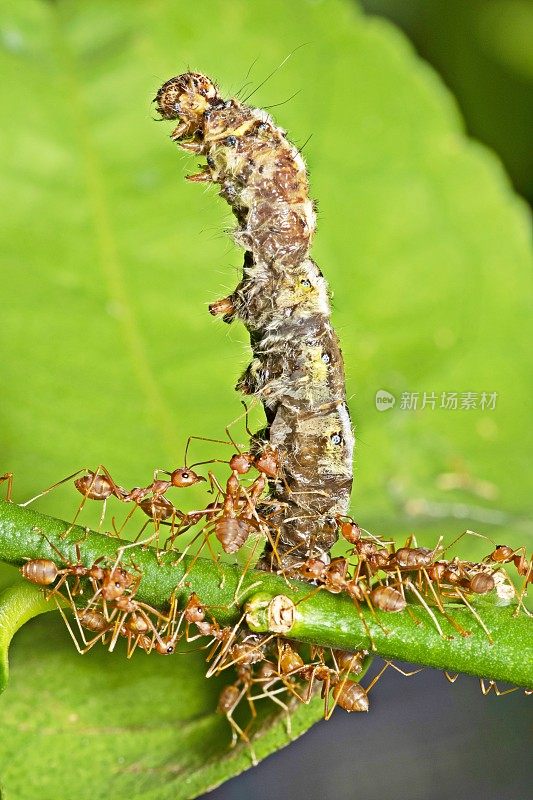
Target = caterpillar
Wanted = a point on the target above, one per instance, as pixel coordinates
(297, 370)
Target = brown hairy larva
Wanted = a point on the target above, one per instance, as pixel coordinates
(297, 368)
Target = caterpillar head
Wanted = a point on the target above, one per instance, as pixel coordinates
(186, 97)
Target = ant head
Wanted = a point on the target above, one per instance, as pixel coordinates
(241, 463)
(165, 646)
(186, 97)
(194, 610)
(338, 566)
(290, 659)
(502, 553)
(184, 477)
(112, 590)
(313, 568)
(267, 462)
(351, 531)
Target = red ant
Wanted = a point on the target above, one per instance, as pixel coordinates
(99, 485)
(503, 554)
(238, 514)
(129, 619)
(334, 578)
(44, 572)
(374, 558)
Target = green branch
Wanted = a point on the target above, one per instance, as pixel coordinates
(318, 616)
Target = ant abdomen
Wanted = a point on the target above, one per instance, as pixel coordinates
(95, 486)
(351, 696)
(481, 583)
(93, 620)
(41, 571)
(413, 557)
(388, 599)
(228, 697)
(158, 508)
(232, 533)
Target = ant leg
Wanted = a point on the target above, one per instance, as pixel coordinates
(8, 477)
(100, 469)
(213, 669)
(116, 630)
(206, 439)
(88, 644)
(450, 678)
(214, 484)
(272, 696)
(209, 461)
(326, 688)
(523, 592)
(493, 686)
(76, 616)
(402, 672)
(246, 426)
(102, 515)
(196, 555)
(55, 589)
(131, 648)
(274, 545)
(121, 550)
(338, 689)
(246, 413)
(410, 585)
(227, 664)
(183, 527)
(364, 623)
(129, 515)
(251, 705)
(170, 623)
(475, 614)
(236, 598)
(467, 532)
(441, 608)
(237, 731)
(53, 486)
(368, 601)
(380, 673)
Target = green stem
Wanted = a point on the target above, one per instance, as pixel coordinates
(320, 617)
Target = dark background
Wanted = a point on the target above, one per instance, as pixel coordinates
(423, 738)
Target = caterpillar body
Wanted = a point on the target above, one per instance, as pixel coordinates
(297, 368)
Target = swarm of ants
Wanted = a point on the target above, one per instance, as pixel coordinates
(373, 573)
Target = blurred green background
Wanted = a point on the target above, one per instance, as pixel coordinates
(482, 50)
(109, 259)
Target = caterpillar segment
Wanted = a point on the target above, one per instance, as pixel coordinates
(297, 369)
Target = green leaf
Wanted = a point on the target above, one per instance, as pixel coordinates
(143, 728)
(111, 357)
(18, 604)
